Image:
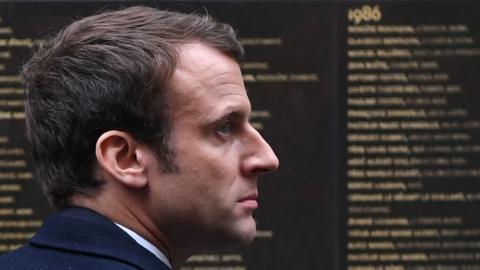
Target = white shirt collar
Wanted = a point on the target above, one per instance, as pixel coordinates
(147, 245)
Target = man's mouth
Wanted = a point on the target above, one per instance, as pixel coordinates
(249, 201)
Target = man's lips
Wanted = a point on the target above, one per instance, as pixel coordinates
(249, 201)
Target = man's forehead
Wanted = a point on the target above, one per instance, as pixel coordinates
(205, 74)
(202, 67)
(200, 58)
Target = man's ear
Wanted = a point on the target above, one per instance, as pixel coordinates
(117, 155)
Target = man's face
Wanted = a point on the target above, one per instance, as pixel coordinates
(209, 201)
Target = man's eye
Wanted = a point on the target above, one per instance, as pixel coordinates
(225, 128)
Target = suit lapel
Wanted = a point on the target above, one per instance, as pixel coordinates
(85, 231)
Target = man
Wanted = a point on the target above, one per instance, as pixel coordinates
(139, 123)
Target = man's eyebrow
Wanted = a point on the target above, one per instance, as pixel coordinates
(234, 112)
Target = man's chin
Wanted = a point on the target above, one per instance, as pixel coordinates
(247, 231)
(234, 236)
(241, 234)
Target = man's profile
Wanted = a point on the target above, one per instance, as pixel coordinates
(139, 124)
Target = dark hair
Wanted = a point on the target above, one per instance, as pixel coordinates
(107, 72)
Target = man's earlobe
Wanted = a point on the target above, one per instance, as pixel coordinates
(117, 157)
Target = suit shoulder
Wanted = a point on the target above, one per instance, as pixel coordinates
(31, 257)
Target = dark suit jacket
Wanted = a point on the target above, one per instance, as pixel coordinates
(80, 239)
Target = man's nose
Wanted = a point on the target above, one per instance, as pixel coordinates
(262, 159)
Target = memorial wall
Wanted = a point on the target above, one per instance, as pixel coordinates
(373, 109)
(409, 109)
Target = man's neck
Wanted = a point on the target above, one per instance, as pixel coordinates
(119, 214)
(146, 244)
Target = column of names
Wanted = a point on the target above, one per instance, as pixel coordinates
(412, 146)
